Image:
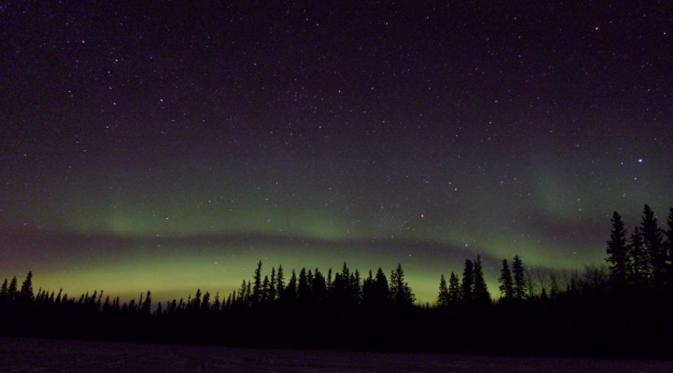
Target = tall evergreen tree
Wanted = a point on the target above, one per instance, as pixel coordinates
(302, 286)
(638, 264)
(217, 304)
(242, 292)
(272, 285)
(12, 292)
(617, 252)
(381, 290)
(319, 287)
(291, 289)
(652, 242)
(4, 291)
(205, 302)
(467, 284)
(265, 294)
(26, 293)
(195, 304)
(146, 307)
(443, 296)
(257, 288)
(399, 289)
(480, 292)
(506, 282)
(519, 278)
(454, 289)
(280, 281)
(668, 251)
(367, 289)
(356, 289)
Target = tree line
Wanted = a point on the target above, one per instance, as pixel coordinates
(378, 310)
(644, 258)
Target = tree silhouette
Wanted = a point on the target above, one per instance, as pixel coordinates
(205, 302)
(399, 289)
(356, 288)
(668, 251)
(443, 299)
(26, 293)
(519, 278)
(195, 304)
(12, 293)
(319, 287)
(652, 242)
(265, 293)
(290, 293)
(272, 285)
(467, 284)
(257, 287)
(4, 291)
(379, 294)
(454, 289)
(217, 305)
(480, 292)
(617, 252)
(639, 268)
(146, 307)
(280, 281)
(303, 287)
(506, 282)
(243, 292)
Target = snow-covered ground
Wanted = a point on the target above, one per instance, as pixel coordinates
(37, 355)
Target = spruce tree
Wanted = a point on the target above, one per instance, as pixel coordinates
(146, 307)
(668, 250)
(506, 282)
(617, 252)
(26, 293)
(399, 289)
(319, 287)
(291, 289)
(4, 291)
(280, 281)
(257, 288)
(467, 285)
(652, 242)
(443, 296)
(195, 304)
(242, 292)
(519, 278)
(302, 286)
(480, 293)
(454, 289)
(381, 290)
(272, 285)
(368, 289)
(205, 302)
(356, 290)
(639, 268)
(217, 305)
(12, 293)
(265, 293)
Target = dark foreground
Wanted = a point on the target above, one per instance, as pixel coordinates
(33, 355)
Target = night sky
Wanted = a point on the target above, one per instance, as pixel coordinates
(170, 146)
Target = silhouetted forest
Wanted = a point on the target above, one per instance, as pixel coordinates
(622, 309)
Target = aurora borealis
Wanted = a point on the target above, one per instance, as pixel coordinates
(170, 146)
